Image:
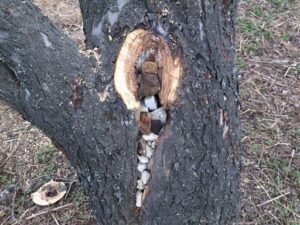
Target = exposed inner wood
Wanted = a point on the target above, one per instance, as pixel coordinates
(137, 44)
(146, 77)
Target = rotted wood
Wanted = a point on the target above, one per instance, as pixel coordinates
(195, 172)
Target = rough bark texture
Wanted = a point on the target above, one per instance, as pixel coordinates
(195, 179)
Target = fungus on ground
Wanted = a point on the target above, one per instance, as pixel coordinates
(147, 77)
(49, 193)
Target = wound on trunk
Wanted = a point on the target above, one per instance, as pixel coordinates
(140, 46)
(146, 77)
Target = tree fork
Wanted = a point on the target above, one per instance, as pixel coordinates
(195, 175)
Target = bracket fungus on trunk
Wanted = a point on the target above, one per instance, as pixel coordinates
(147, 77)
(139, 46)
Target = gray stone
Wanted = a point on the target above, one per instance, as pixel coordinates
(159, 114)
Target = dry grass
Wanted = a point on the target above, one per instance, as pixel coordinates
(27, 161)
(268, 44)
(27, 157)
(269, 59)
(66, 15)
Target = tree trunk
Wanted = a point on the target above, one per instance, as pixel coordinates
(73, 100)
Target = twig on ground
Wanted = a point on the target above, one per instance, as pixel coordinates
(70, 186)
(4, 221)
(260, 184)
(261, 156)
(289, 166)
(56, 221)
(23, 214)
(275, 217)
(288, 209)
(48, 211)
(274, 199)
(12, 153)
(287, 71)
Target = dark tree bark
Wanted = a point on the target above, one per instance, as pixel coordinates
(72, 99)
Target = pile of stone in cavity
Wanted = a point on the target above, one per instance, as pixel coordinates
(152, 118)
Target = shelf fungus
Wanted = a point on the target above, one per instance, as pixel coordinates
(146, 77)
(49, 193)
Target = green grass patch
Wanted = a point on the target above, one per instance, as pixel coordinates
(253, 48)
(255, 148)
(45, 154)
(268, 34)
(247, 26)
(281, 211)
(268, 142)
(258, 11)
(51, 168)
(295, 133)
(296, 70)
(281, 3)
(80, 198)
(5, 180)
(278, 169)
(285, 37)
(240, 62)
(295, 176)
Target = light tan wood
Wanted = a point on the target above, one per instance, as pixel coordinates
(169, 69)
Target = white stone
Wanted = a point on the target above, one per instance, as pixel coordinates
(139, 196)
(141, 167)
(151, 144)
(159, 114)
(145, 177)
(151, 102)
(144, 108)
(150, 137)
(148, 151)
(140, 185)
(143, 159)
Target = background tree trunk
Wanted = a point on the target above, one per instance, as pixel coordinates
(195, 177)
